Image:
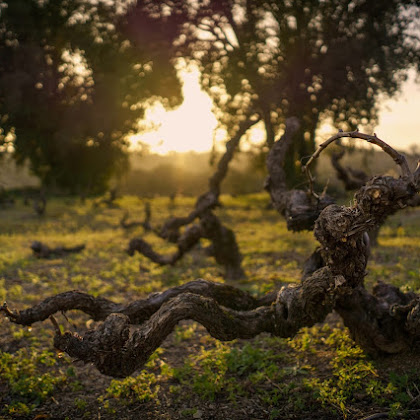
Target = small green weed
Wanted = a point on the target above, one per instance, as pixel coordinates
(227, 369)
(353, 378)
(28, 384)
(141, 388)
(184, 333)
(207, 372)
(80, 404)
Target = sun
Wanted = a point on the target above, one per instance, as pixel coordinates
(190, 127)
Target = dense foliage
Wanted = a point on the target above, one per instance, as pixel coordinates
(309, 59)
(74, 76)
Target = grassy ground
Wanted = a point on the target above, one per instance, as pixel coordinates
(320, 374)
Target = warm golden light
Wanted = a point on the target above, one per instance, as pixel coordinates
(399, 121)
(192, 126)
(189, 127)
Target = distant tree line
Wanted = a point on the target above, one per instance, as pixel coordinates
(191, 181)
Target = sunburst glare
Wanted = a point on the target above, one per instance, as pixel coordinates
(190, 127)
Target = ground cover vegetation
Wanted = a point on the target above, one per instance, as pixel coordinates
(275, 63)
(320, 372)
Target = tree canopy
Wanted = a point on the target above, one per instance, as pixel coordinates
(75, 74)
(74, 77)
(312, 60)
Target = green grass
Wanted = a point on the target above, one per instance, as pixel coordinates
(321, 370)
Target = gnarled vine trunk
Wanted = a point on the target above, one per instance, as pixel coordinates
(385, 321)
(224, 245)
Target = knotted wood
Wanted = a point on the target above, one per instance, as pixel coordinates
(385, 320)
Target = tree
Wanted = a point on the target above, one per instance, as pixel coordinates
(314, 60)
(384, 321)
(74, 79)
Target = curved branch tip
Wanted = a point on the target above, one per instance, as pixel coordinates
(55, 324)
(4, 308)
(398, 158)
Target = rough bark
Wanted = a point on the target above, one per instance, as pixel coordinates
(42, 250)
(117, 348)
(99, 308)
(354, 179)
(300, 208)
(385, 321)
(116, 352)
(342, 231)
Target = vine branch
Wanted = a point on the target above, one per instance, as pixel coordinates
(398, 158)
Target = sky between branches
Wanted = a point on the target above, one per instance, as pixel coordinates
(192, 126)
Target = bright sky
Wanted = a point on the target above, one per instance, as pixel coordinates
(191, 126)
(399, 122)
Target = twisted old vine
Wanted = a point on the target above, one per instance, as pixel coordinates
(385, 320)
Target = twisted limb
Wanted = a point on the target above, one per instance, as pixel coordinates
(342, 232)
(117, 349)
(99, 308)
(42, 250)
(385, 321)
(224, 245)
